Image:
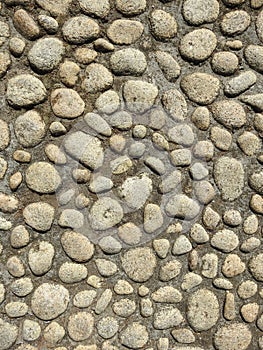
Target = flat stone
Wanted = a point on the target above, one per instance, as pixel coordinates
(125, 31)
(4, 135)
(123, 287)
(167, 317)
(169, 66)
(124, 307)
(30, 129)
(235, 22)
(130, 233)
(68, 72)
(98, 124)
(255, 101)
(140, 91)
(16, 309)
(139, 264)
(85, 148)
(39, 215)
(229, 177)
(25, 90)
(8, 204)
(49, 23)
(233, 266)
(100, 184)
(203, 310)
(46, 54)
(31, 330)
(98, 218)
(182, 134)
(53, 333)
(254, 57)
(66, 103)
(175, 104)
(170, 270)
(229, 113)
(103, 301)
(71, 218)
(235, 336)
(80, 326)
(22, 287)
(84, 298)
(163, 25)
(240, 83)
(97, 78)
(107, 327)
(183, 335)
(200, 12)
(72, 272)
(40, 258)
(49, 301)
(128, 62)
(221, 138)
(182, 206)
(131, 8)
(198, 45)
(99, 9)
(181, 245)
(80, 29)
(201, 118)
(108, 102)
(199, 234)
(134, 336)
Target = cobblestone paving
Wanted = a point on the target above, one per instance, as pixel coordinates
(131, 174)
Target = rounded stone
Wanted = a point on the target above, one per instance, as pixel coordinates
(131, 7)
(198, 45)
(53, 333)
(107, 327)
(182, 207)
(225, 240)
(108, 102)
(232, 217)
(49, 23)
(128, 62)
(124, 31)
(39, 216)
(110, 245)
(139, 264)
(203, 310)
(16, 309)
(4, 135)
(254, 57)
(30, 129)
(221, 138)
(235, 336)
(255, 267)
(135, 336)
(229, 113)
(77, 246)
(163, 25)
(124, 307)
(40, 258)
(25, 90)
(175, 104)
(168, 65)
(139, 95)
(66, 103)
(97, 78)
(80, 326)
(72, 272)
(105, 213)
(31, 330)
(99, 9)
(235, 22)
(22, 287)
(8, 334)
(46, 54)
(249, 143)
(224, 63)
(80, 29)
(201, 88)
(198, 12)
(84, 298)
(49, 301)
(42, 177)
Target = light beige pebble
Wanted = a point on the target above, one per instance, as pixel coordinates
(8, 204)
(125, 31)
(221, 138)
(40, 257)
(229, 306)
(249, 312)
(123, 287)
(53, 333)
(55, 155)
(201, 118)
(249, 143)
(163, 25)
(69, 72)
(15, 180)
(80, 326)
(103, 45)
(15, 266)
(256, 203)
(16, 309)
(84, 298)
(85, 55)
(66, 103)
(233, 336)
(97, 78)
(17, 46)
(247, 289)
(3, 167)
(233, 266)
(19, 237)
(250, 225)
(235, 22)
(31, 330)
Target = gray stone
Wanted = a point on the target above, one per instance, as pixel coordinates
(190, 281)
(169, 66)
(183, 335)
(175, 104)
(22, 287)
(181, 134)
(72, 272)
(25, 90)
(31, 330)
(139, 264)
(29, 129)
(103, 301)
(108, 102)
(49, 301)
(203, 310)
(198, 45)
(229, 177)
(128, 62)
(201, 88)
(153, 218)
(98, 124)
(254, 57)
(39, 215)
(49, 23)
(46, 54)
(224, 63)
(97, 78)
(53, 333)
(8, 334)
(80, 29)
(209, 265)
(124, 31)
(167, 294)
(5, 63)
(134, 336)
(106, 267)
(182, 207)
(131, 7)
(98, 9)
(16, 309)
(167, 317)
(71, 218)
(235, 22)
(240, 83)
(55, 7)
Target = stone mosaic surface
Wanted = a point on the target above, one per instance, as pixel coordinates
(131, 174)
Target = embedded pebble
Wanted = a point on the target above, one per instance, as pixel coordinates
(254, 265)
(68, 72)
(163, 25)
(30, 129)
(175, 104)
(224, 63)
(49, 23)
(200, 12)
(84, 298)
(169, 66)
(108, 102)
(100, 9)
(254, 57)
(25, 24)
(209, 265)
(235, 22)
(79, 29)
(66, 103)
(167, 317)
(98, 124)
(40, 258)
(97, 78)
(233, 337)
(131, 8)
(107, 327)
(124, 307)
(54, 333)
(225, 240)
(8, 334)
(182, 206)
(221, 138)
(240, 83)
(39, 215)
(134, 336)
(125, 31)
(31, 330)
(71, 218)
(233, 266)
(80, 326)
(42, 177)
(249, 143)
(170, 270)
(198, 45)
(128, 62)
(229, 113)
(98, 219)
(72, 272)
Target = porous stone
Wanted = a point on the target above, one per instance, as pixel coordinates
(198, 45)
(175, 104)
(124, 307)
(39, 215)
(80, 29)
(255, 264)
(49, 23)
(68, 72)
(98, 124)
(221, 138)
(16, 309)
(125, 31)
(108, 102)
(25, 24)
(203, 310)
(19, 237)
(201, 88)
(85, 55)
(30, 129)
(229, 177)
(229, 113)
(167, 294)
(99, 9)
(97, 78)
(182, 207)
(66, 103)
(134, 336)
(233, 266)
(233, 337)
(84, 298)
(183, 336)
(225, 240)
(40, 258)
(224, 63)
(170, 270)
(240, 83)
(128, 62)
(153, 218)
(49, 301)
(139, 264)
(254, 57)
(167, 317)
(98, 218)
(72, 272)
(235, 22)
(249, 143)
(169, 66)
(5, 63)
(201, 11)
(31, 330)
(106, 267)
(42, 177)
(209, 265)
(46, 54)
(8, 334)
(53, 333)
(163, 25)
(131, 8)
(55, 7)
(16, 46)
(139, 95)
(80, 326)
(22, 287)
(129, 233)
(25, 90)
